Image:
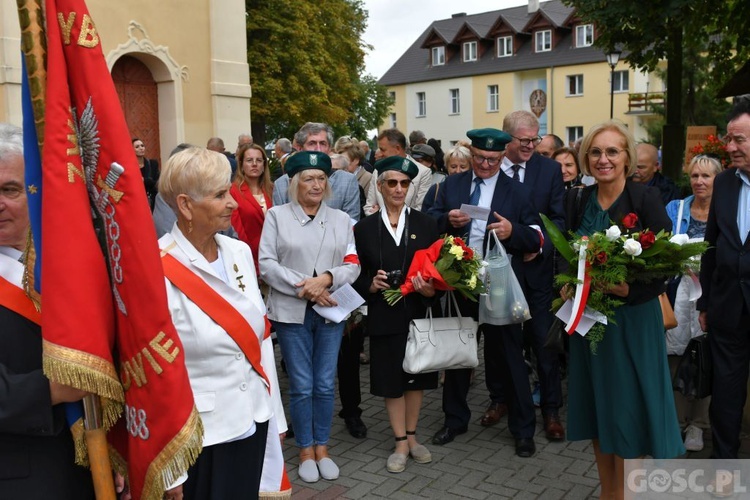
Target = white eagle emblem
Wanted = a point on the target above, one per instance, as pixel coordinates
(313, 160)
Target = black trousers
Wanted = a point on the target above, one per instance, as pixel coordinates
(348, 372)
(730, 354)
(228, 470)
(504, 345)
(548, 362)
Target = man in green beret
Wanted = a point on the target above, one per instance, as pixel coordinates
(511, 218)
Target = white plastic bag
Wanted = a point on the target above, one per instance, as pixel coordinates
(504, 302)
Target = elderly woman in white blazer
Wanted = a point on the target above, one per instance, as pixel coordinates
(306, 252)
(211, 282)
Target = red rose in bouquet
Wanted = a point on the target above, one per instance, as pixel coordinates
(630, 220)
(647, 239)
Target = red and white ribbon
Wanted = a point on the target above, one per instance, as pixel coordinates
(582, 289)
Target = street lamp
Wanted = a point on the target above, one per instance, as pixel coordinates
(612, 59)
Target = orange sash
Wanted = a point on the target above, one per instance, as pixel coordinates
(15, 299)
(218, 309)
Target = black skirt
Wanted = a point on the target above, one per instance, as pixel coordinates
(228, 470)
(387, 376)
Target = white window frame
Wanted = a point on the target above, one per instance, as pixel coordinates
(504, 46)
(394, 123)
(470, 51)
(455, 101)
(543, 40)
(421, 104)
(574, 81)
(618, 81)
(584, 35)
(493, 98)
(573, 133)
(438, 55)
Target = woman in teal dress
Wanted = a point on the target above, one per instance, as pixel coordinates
(621, 397)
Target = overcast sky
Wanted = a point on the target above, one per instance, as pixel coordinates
(393, 25)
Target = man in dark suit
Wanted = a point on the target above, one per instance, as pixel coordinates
(36, 447)
(544, 177)
(725, 278)
(512, 217)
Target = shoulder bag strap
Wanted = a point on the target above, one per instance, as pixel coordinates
(218, 309)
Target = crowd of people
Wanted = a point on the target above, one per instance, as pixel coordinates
(273, 253)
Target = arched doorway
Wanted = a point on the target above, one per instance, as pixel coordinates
(139, 99)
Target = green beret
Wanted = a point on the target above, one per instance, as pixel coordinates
(307, 160)
(397, 164)
(489, 139)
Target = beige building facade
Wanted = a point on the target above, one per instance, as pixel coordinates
(190, 56)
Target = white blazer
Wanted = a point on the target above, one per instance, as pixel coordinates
(293, 247)
(229, 394)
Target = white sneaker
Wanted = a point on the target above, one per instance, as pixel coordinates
(693, 438)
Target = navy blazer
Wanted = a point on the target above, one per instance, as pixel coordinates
(511, 200)
(725, 267)
(544, 177)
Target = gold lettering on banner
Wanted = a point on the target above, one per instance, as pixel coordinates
(163, 349)
(133, 370)
(88, 37)
(152, 361)
(66, 25)
(75, 150)
(73, 171)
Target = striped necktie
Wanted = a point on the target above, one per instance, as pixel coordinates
(516, 176)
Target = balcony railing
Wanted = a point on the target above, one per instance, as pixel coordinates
(644, 103)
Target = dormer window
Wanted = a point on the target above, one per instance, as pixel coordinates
(543, 41)
(438, 56)
(584, 35)
(504, 46)
(470, 51)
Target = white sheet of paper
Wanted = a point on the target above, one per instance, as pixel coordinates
(475, 212)
(589, 318)
(347, 299)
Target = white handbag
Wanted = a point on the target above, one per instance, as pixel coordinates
(441, 343)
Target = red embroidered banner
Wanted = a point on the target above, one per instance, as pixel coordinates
(102, 280)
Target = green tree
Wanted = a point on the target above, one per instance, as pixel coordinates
(665, 29)
(305, 62)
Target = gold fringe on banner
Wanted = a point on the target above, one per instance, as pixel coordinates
(79, 441)
(175, 459)
(86, 372)
(34, 46)
(27, 280)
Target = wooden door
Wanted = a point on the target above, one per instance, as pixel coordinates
(139, 99)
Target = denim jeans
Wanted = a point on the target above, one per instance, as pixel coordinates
(311, 352)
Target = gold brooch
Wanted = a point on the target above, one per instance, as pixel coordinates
(240, 284)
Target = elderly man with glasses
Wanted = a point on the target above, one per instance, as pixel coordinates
(544, 178)
(514, 220)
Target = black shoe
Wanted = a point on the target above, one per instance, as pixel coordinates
(525, 447)
(446, 435)
(356, 427)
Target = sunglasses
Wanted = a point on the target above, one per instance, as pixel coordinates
(392, 183)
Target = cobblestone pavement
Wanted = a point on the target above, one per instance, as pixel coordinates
(480, 464)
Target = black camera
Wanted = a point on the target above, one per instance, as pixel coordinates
(394, 278)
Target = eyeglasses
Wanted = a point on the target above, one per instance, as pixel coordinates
(529, 140)
(492, 162)
(255, 160)
(392, 183)
(612, 153)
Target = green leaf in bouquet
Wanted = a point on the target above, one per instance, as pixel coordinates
(558, 239)
(656, 248)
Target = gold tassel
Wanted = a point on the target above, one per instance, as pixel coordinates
(27, 280)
